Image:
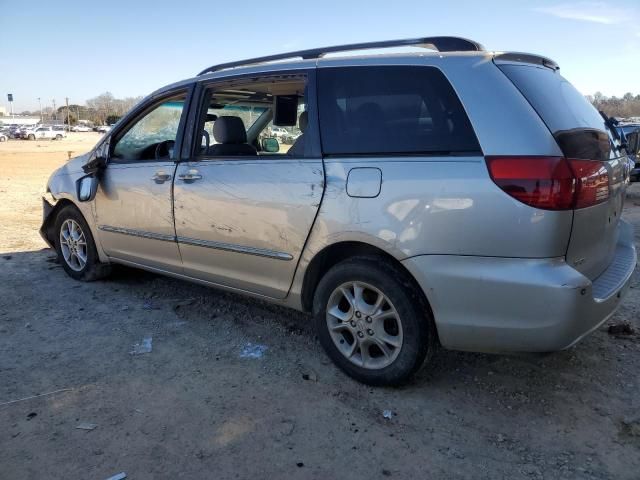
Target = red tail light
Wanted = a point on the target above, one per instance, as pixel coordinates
(551, 183)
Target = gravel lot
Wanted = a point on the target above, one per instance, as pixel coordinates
(194, 407)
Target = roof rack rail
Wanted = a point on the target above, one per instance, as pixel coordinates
(441, 44)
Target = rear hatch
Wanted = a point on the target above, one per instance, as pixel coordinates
(598, 168)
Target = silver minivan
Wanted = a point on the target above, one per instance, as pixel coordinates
(462, 198)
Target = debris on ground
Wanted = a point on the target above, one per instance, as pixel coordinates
(35, 396)
(300, 464)
(7, 257)
(183, 303)
(251, 350)
(149, 306)
(143, 347)
(117, 476)
(621, 329)
(631, 426)
(86, 426)
(310, 376)
(31, 415)
(388, 414)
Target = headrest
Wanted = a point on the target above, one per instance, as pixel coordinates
(303, 121)
(229, 130)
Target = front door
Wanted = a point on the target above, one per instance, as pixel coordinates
(134, 201)
(245, 204)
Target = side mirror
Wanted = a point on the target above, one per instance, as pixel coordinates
(86, 187)
(270, 145)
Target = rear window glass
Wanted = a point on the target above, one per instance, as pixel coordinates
(558, 103)
(391, 110)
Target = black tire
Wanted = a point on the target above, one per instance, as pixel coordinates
(93, 269)
(419, 333)
(31, 137)
(58, 137)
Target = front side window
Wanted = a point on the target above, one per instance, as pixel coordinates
(391, 110)
(153, 136)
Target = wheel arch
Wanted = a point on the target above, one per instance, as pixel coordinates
(335, 253)
(48, 226)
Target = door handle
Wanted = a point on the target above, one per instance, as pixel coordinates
(161, 177)
(191, 176)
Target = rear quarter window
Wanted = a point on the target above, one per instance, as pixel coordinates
(560, 105)
(391, 110)
(577, 126)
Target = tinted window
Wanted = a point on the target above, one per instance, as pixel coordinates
(576, 125)
(391, 110)
(558, 102)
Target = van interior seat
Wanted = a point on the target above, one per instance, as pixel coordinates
(231, 136)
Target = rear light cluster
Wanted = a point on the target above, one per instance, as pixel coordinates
(551, 183)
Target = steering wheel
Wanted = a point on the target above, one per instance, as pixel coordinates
(164, 149)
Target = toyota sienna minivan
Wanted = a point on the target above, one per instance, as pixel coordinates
(453, 196)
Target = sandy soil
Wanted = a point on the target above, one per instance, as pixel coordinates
(195, 408)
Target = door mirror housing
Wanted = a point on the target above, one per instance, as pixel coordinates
(86, 187)
(270, 145)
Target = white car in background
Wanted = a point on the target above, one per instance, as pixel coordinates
(80, 128)
(103, 128)
(278, 132)
(44, 133)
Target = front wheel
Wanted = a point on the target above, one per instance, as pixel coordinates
(31, 137)
(58, 137)
(373, 322)
(76, 248)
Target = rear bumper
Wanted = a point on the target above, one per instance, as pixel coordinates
(489, 304)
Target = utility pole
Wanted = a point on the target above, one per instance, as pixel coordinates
(68, 122)
(53, 100)
(40, 103)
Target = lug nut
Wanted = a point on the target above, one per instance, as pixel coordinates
(353, 324)
(360, 334)
(358, 314)
(369, 331)
(368, 319)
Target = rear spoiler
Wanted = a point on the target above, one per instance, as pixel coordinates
(517, 57)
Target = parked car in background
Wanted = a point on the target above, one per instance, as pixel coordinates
(44, 132)
(103, 128)
(466, 198)
(80, 128)
(628, 133)
(4, 135)
(60, 128)
(279, 132)
(15, 131)
(633, 149)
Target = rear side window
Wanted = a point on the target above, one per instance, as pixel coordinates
(557, 102)
(391, 110)
(576, 125)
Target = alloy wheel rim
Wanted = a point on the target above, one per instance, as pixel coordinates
(364, 325)
(73, 245)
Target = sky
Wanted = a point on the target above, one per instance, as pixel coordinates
(79, 49)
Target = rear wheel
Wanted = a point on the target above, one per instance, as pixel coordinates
(76, 248)
(58, 137)
(372, 321)
(31, 136)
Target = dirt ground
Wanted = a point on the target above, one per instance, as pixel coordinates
(194, 407)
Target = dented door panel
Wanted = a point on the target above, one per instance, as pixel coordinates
(134, 215)
(243, 223)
